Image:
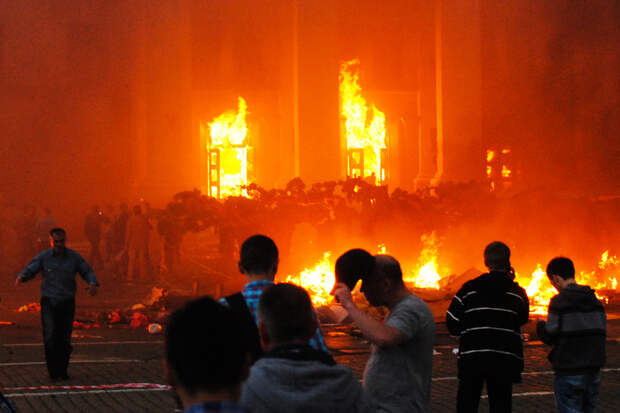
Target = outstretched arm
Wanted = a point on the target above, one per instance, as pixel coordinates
(31, 270)
(87, 273)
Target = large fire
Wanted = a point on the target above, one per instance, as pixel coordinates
(427, 275)
(364, 128)
(228, 150)
(319, 279)
(540, 291)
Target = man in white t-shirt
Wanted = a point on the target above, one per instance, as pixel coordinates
(398, 373)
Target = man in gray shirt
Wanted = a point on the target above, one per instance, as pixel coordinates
(398, 373)
(58, 266)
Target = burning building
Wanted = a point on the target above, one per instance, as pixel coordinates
(129, 101)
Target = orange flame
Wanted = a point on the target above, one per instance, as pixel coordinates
(318, 281)
(505, 171)
(228, 136)
(539, 290)
(362, 132)
(427, 275)
(490, 155)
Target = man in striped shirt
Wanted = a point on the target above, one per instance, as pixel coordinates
(487, 314)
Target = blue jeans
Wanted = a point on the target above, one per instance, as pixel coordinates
(577, 394)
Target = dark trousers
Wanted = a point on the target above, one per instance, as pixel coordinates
(57, 321)
(499, 390)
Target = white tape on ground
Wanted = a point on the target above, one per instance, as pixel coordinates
(74, 392)
(37, 363)
(527, 394)
(87, 343)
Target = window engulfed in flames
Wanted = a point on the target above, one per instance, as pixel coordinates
(498, 173)
(364, 129)
(228, 152)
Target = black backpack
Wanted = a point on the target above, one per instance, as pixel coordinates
(240, 308)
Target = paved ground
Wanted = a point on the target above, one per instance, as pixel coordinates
(120, 369)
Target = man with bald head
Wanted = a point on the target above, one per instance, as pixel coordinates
(398, 373)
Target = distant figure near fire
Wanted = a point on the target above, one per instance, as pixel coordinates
(137, 244)
(58, 266)
(487, 314)
(576, 328)
(398, 373)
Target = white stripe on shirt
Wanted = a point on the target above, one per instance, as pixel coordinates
(486, 350)
(492, 309)
(491, 328)
(516, 295)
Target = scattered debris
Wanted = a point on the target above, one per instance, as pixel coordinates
(138, 320)
(74, 335)
(32, 307)
(80, 324)
(154, 328)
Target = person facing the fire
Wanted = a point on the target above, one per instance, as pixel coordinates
(398, 373)
(292, 376)
(58, 266)
(258, 261)
(487, 314)
(576, 328)
(206, 366)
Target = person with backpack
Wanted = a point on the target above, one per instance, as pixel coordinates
(258, 261)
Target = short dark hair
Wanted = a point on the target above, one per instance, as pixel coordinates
(58, 231)
(354, 265)
(390, 268)
(287, 313)
(258, 254)
(562, 267)
(206, 346)
(497, 256)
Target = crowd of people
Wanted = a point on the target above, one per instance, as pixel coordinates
(306, 221)
(118, 239)
(262, 349)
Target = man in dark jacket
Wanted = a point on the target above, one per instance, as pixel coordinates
(292, 376)
(487, 314)
(576, 329)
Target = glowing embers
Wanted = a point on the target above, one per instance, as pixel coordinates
(229, 153)
(364, 129)
(498, 172)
